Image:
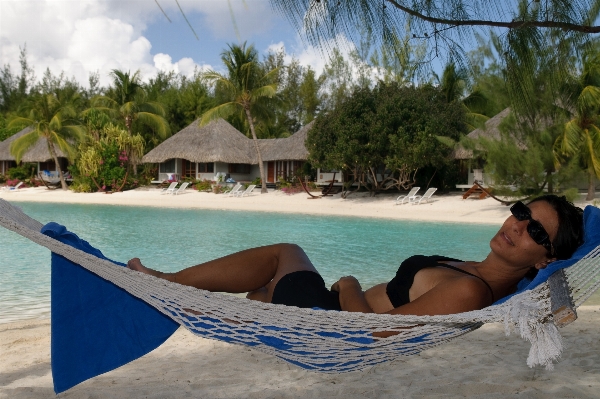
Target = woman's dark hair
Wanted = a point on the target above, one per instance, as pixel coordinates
(570, 225)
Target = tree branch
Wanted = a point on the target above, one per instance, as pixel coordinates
(498, 24)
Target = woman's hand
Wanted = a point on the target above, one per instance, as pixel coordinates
(346, 282)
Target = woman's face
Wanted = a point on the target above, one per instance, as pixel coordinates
(513, 244)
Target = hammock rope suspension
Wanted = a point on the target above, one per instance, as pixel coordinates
(325, 341)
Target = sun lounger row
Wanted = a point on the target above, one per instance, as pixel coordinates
(415, 199)
(172, 189)
(237, 191)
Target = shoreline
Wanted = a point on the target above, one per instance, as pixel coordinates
(443, 208)
(482, 364)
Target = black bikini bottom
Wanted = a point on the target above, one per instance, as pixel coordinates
(305, 289)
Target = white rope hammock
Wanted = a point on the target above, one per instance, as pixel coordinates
(325, 341)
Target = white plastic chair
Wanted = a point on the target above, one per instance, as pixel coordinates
(170, 189)
(411, 194)
(246, 192)
(427, 196)
(181, 188)
(12, 188)
(232, 192)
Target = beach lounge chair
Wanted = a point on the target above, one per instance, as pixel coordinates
(181, 188)
(404, 199)
(417, 199)
(232, 192)
(246, 192)
(12, 188)
(170, 189)
(117, 307)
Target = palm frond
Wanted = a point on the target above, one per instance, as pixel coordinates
(264, 91)
(220, 111)
(152, 107)
(20, 123)
(588, 100)
(569, 141)
(156, 122)
(19, 146)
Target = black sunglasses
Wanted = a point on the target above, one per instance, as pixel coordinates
(535, 229)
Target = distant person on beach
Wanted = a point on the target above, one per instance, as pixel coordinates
(546, 229)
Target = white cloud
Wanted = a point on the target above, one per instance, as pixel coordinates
(185, 66)
(80, 37)
(315, 57)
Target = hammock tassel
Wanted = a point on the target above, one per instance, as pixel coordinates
(527, 316)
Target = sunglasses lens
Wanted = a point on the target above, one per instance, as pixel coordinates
(520, 211)
(537, 232)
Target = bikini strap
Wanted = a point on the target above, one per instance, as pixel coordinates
(470, 274)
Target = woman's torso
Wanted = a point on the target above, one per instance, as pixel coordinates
(424, 280)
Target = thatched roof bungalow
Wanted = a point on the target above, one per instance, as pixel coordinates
(491, 131)
(38, 153)
(203, 152)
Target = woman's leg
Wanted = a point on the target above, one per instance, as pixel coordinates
(256, 269)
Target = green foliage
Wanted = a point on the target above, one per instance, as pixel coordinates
(23, 171)
(580, 139)
(384, 136)
(204, 185)
(106, 162)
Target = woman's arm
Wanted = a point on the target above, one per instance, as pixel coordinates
(352, 297)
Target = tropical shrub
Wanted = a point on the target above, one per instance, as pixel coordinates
(22, 172)
(107, 162)
(386, 136)
(203, 185)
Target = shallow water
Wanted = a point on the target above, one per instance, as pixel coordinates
(170, 239)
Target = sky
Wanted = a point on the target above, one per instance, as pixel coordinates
(81, 37)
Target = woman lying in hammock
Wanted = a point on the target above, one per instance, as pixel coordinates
(547, 229)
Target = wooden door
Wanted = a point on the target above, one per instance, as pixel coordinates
(271, 172)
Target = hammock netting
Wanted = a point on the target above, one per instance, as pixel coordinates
(327, 341)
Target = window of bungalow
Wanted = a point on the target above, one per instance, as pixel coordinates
(241, 168)
(167, 166)
(206, 167)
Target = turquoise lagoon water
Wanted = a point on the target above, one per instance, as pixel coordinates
(170, 239)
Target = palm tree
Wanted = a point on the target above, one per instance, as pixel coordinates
(581, 136)
(128, 103)
(246, 88)
(53, 120)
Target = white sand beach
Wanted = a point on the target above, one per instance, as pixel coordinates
(443, 208)
(483, 364)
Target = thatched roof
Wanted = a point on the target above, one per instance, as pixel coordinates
(220, 142)
(289, 148)
(216, 142)
(491, 131)
(36, 153)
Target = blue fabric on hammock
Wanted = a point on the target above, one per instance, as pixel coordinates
(591, 228)
(96, 326)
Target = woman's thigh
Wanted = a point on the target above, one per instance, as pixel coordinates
(291, 258)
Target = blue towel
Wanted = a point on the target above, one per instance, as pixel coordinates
(591, 227)
(96, 326)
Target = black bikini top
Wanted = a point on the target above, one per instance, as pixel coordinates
(397, 289)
